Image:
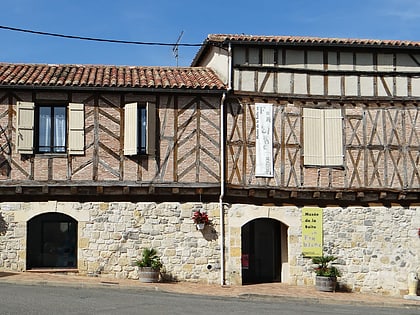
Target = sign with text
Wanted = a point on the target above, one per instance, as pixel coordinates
(312, 234)
(264, 140)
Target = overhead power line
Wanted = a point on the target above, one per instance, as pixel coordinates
(116, 41)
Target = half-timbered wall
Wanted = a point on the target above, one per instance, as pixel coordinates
(381, 145)
(330, 73)
(188, 142)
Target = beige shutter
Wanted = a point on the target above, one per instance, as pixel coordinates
(130, 129)
(333, 137)
(313, 139)
(25, 127)
(76, 129)
(151, 128)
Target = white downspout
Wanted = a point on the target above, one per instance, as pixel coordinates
(222, 191)
(222, 169)
(229, 67)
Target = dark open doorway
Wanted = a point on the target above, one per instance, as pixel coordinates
(52, 241)
(262, 251)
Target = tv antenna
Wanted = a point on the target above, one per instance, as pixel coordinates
(175, 50)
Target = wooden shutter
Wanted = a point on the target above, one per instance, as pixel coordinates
(313, 139)
(25, 128)
(333, 131)
(323, 137)
(76, 129)
(151, 128)
(130, 129)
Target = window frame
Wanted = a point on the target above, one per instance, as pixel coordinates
(37, 128)
(138, 129)
(27, 129)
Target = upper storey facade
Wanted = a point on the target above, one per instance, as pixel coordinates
(74, 131)
(315, 67)
(319, 118)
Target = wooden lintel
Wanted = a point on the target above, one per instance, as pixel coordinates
(73, 190)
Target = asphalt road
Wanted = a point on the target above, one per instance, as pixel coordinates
(43, 299)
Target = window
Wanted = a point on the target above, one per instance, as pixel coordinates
(50, 128)
(322, 137)
(140, 129)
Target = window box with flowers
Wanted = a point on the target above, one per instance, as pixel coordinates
(201, 219)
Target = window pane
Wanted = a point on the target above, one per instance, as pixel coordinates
(44, 129)
(59, 129)
(142, 130)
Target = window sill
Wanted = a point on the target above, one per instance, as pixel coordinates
(50, 155)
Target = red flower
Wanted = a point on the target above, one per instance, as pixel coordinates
(200, 217)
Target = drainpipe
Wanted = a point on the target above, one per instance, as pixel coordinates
(222, 190)
(230, 67)
(222, 169)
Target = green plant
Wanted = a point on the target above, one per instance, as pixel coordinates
(324, 267)
(150, 258)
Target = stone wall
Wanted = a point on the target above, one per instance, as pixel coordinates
(377, 247)
(111, 237)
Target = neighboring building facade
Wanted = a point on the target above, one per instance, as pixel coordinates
(294, 147)
(341, 144)
(99, 162)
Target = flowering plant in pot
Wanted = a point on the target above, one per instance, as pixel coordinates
(200, 219)
(149, 265)
(326, 273)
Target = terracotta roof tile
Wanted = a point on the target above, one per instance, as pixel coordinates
(109, 76)
(312, 40)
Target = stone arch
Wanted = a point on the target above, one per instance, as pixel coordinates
(37, 208)
(240, 215)
(51, 241)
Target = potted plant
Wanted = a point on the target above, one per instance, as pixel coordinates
(149, 265)
(200, 219)
(326, 274)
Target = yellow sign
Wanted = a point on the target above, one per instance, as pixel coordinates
(312, 234)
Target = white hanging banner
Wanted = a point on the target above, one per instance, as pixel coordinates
(264, 140)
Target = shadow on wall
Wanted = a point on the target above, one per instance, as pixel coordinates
(209, 233)
(4, 166)
(3, 225)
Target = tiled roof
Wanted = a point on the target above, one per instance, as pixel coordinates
(302, 40)
(197, 78)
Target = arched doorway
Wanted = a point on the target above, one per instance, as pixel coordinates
(263, 242)
(51, 241)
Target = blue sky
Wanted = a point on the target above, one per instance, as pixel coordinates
(163, 21)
